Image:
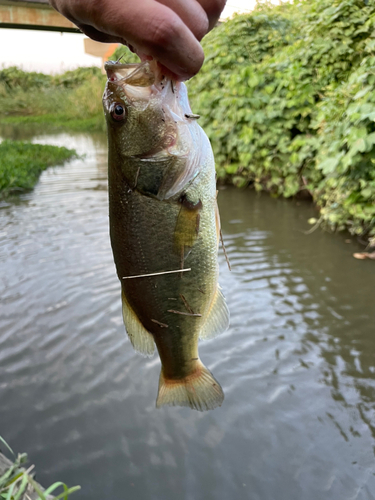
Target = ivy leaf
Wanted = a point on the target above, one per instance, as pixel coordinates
(292, 103)
(359, 145)
(363, 92)
(328, 165)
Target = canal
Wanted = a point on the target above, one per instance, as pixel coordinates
(297, 365)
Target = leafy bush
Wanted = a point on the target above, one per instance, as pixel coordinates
(271, 96)
(346, 153)
(13, 78)
(76, 77)
(21, 163)
(225, 91)
(72, 99)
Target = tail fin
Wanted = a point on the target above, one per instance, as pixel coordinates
(199, 390)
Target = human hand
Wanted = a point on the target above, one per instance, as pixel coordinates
(167, 30)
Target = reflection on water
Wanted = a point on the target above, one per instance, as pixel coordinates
(297, 365)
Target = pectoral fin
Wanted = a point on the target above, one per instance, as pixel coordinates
(141, 339)
(187, 225)
(217, 317)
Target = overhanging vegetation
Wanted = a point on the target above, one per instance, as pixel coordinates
(287, 99)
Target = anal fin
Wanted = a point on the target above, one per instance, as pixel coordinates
(142, 340)
(217, 320)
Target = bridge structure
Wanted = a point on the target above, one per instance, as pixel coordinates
(39, 15)
(33, 15)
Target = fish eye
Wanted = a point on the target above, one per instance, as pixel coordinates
(118, 112)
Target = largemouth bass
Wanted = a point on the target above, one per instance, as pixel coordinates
(164, 228)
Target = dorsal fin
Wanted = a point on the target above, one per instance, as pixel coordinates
(217, 318)
(142, 340)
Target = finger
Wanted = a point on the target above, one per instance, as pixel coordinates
(170, 42)
(99, 36)
(191, 13)
(154, 30)
(213, 9)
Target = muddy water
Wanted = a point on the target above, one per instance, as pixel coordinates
(297, 364)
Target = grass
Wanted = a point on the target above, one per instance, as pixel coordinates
(17, 483)
(72, 101)
(21, 163)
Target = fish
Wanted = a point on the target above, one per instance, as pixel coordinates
(164, 228)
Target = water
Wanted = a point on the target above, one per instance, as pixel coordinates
(297, 364)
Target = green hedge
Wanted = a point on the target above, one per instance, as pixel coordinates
(286, 96)
(13, 78)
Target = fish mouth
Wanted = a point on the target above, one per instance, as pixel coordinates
(142, 74)
(143, 84)
(138, 82)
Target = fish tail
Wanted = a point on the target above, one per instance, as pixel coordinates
(199, 390)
